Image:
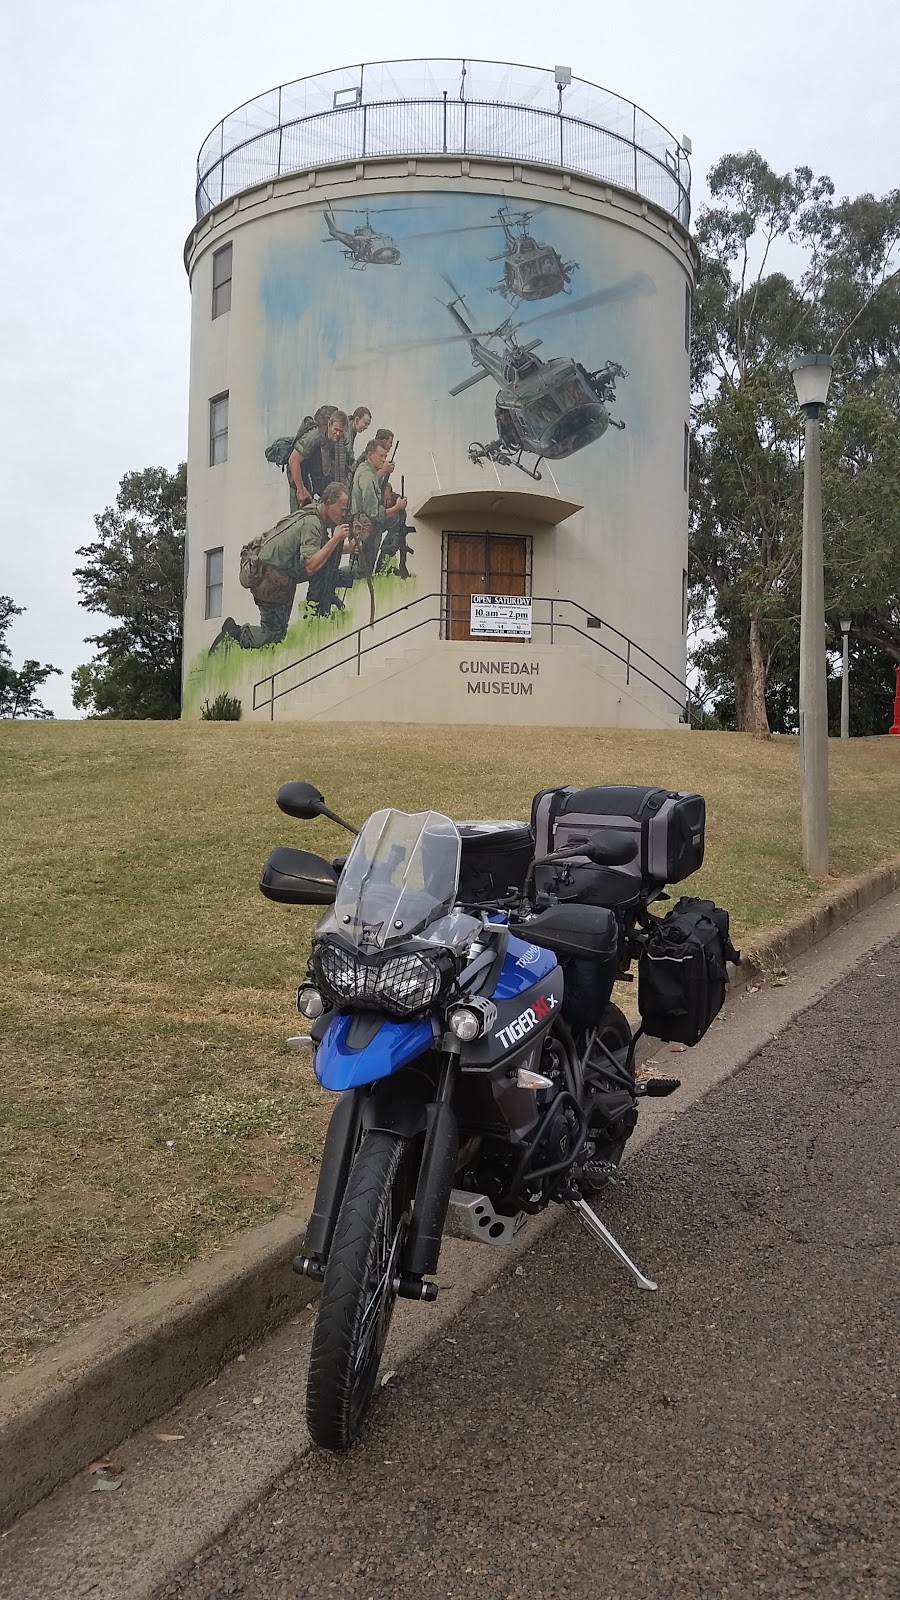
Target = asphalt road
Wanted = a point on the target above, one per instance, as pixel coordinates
(570, 1438)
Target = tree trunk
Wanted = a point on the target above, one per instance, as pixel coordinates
(760, 719)
(743, 687)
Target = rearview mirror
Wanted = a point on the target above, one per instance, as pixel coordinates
(301, 800)
(610, 848)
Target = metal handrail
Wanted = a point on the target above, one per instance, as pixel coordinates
(684, 701)
(598, 623)
(250, 145)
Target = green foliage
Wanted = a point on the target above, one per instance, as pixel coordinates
(18, 689)
(134, 572)
(225, 708)
(749, 320)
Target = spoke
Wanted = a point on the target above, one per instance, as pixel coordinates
(380, 1297)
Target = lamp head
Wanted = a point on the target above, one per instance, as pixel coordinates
(846, 624)
(812, 376)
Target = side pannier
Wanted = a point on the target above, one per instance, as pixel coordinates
(670, 826)
(682, 971)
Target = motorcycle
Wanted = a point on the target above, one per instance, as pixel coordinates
(466, 1025)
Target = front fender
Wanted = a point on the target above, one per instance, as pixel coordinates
(399, 1104)
(361, 1048)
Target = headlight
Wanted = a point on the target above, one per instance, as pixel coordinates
(401, 984)
(473, 1019)
(309, 1001)
(465, 1024)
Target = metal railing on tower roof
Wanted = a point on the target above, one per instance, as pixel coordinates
(453, 107)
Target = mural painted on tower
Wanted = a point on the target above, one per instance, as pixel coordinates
(438, 338)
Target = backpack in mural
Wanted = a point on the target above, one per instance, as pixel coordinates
(279, 451)
(265, 582)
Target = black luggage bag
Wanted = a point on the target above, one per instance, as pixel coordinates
(495, 860)
(682, 971)
(669, 826)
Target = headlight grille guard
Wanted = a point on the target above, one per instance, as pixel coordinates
(401, 982)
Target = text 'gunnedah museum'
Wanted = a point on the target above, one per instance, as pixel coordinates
(438, 438)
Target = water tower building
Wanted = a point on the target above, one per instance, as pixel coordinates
(444, 305)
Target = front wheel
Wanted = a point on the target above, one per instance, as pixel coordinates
(358, 1292)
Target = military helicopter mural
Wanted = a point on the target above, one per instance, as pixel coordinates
(365, 246)
(548, 409)
(531, 270)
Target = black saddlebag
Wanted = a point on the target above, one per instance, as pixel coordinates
(682, 971)
(670, 828)
(495, 858)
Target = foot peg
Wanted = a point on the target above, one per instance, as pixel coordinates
(597, 1229)
(657, 1087)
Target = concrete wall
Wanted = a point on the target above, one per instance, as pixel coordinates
(306, 327)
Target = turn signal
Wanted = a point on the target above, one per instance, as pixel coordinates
(526, 1079)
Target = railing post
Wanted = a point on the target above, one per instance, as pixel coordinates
(364, 111)
(445, 122)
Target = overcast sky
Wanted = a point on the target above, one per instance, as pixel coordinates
(103, 108)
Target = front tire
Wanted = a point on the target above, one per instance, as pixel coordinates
(358, 1293)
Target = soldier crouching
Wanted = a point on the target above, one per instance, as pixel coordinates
(302, 548)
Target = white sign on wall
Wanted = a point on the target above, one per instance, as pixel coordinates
(500, 616)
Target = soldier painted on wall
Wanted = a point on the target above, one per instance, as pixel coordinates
(367, 504)
(304, 547)
(319, 456)
(360, 422)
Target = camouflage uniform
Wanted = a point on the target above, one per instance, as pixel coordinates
(351, 440)
(324, 462)
(367, 500)
(393, 538)
(288, 547)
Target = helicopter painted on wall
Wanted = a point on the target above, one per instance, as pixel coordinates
(365, 246)
(531, 270)
(548, 409)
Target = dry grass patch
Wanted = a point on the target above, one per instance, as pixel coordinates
(148, 1105)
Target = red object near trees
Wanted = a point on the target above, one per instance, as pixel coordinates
(896, 726)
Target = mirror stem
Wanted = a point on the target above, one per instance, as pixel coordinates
(333, 817)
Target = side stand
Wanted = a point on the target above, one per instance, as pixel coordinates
(598, 1231)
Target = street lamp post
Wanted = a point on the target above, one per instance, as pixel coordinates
(845, 679)
(812, 375)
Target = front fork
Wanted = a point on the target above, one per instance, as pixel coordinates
(375, 1108)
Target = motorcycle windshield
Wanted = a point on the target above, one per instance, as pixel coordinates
(401, 875)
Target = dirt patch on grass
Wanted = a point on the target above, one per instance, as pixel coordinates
(149, 1107)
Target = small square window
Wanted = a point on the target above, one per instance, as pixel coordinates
(214, 569)
(218, 429)
(221, 281)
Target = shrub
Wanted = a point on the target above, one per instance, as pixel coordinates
(225, 708)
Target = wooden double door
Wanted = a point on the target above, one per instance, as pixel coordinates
(481, 563)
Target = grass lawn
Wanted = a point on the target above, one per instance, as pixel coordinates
(148, 1105)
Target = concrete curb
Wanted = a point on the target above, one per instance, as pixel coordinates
(139, 1360)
